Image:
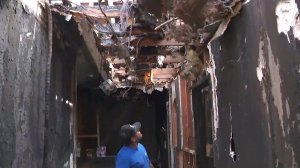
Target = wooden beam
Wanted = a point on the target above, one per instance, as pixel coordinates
(162, 74)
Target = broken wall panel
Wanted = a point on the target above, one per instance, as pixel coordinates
(182, 127)
(68, 47)
(59, 143)
(257, 72)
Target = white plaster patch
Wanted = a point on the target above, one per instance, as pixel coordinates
(232, 153)
(28, 34)
(296, 29)
(276, 84)
(212, 71)
(286, 12)
(259, 73)
(68, 17)
(71, 161)
(261, 62)
(246, 2)
(31, 6)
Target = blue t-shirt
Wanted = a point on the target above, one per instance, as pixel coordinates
(129, 157)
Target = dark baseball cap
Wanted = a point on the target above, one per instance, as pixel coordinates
(127, 131)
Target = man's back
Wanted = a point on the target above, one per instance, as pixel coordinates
(129, 157)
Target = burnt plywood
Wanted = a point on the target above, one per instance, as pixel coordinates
(34, 112)
(257, 92)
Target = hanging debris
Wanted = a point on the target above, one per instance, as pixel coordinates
(145, 52)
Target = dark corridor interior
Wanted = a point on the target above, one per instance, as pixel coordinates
(99, 118)
(202, 107)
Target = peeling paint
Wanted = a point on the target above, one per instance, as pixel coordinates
(232, 152)
(261, 62)
(71, 161)
(276, 84)
(31, 6)
(246, 2)
(259, 72)
(286, 12)
(212, 71)
(28, 34)
(68, 17)
(296, 29)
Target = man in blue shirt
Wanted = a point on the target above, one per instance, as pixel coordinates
(132, 154)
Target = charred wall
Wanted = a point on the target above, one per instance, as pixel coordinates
(23, 55)
(32, 134)
(257, 70)
(59, 126)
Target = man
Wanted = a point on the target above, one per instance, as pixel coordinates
(132, 154)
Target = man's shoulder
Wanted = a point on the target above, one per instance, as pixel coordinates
(141, 146)
(124, 152)
(123, 159)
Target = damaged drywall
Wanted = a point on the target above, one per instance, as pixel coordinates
(261, 63)
(258, 90)
(287, 17)
(214, 84)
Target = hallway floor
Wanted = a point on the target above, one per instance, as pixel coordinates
(105, 162)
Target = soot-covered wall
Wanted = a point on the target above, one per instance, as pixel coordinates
(59, 142)
(23, 58)
(257, 118)
(34, 116)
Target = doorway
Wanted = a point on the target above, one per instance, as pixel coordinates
(99, 118)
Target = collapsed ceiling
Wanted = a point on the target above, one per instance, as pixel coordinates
(144, 51)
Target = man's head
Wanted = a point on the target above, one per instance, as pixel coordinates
(131, 134)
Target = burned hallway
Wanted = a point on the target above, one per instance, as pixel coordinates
(215, 83)
(126, 106)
